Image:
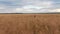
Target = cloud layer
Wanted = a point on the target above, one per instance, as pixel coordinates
(29, 6)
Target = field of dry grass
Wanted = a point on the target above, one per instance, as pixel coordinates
(29, 23)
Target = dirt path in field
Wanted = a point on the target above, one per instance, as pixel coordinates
(29, 23)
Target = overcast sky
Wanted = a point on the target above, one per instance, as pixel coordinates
(29, 6)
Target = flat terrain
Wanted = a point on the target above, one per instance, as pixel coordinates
(29, 23)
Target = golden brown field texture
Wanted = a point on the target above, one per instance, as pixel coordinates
(29, 23)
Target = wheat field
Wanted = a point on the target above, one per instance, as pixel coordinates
(29, 23)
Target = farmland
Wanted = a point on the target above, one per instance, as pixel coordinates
(29, 23)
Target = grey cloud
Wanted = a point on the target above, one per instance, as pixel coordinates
(17, 6)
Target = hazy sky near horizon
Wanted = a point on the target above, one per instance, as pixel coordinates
(29, 6)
